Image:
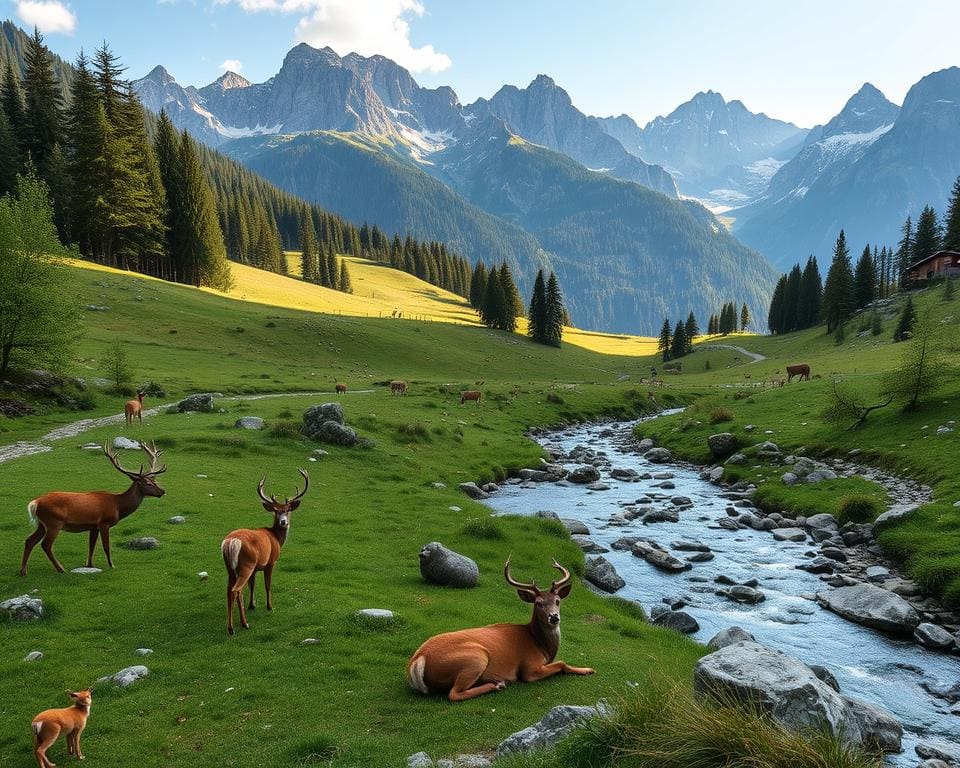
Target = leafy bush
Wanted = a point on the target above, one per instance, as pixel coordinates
(414, 431)
(720, 415)
(553, 397)
(858, 508)
(285, 428)
(482, 528)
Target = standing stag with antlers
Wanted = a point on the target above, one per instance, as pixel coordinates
(473, 662)
(246, 551)
(94, 511)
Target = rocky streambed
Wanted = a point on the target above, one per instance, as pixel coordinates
(701, 558)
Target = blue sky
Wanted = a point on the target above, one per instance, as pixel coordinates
(795, 61)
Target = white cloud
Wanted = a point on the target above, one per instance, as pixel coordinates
(365, 26)
(232, 65)
(47, 15)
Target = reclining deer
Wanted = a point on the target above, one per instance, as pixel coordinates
(473, 662)
(246, 551)
(94, 511)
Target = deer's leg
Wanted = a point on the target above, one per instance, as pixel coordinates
(549, 670)
(230, 601)
(472, 667)
(71, 743)
(268, 585)
(32, 540)
(94, 534)
(242, 577)
(252, 583)
(105, 543)
(48, 734)
(47, 545)
(76, 741)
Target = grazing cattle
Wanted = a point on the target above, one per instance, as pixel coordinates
(473, 662)
(70, 721)
(246, 551)
(95, 512)
(472, 394)
(341, 388)
(133, 408)
(801, 369)
(398, 387)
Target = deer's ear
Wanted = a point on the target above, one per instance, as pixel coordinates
(294, 504)
(564, 591)
(268, 507)
(526, 595)
(71, 694)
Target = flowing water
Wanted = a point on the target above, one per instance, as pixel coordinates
(868, 665)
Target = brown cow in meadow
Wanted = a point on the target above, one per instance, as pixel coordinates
(398, 387)
(801, 369)
(471, 394)
(341, 388)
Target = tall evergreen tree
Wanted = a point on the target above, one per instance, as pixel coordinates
(929, 234)
(791, 301)
(678, 345)
(905, 324)
(664, 341)
(478, 285)
(556, 315)
(865, 279)
(838, 291)
(344, 283)
(951, 237)
(905, 250)
(42, 130)
(811, 294)
(537, 314)
(308, 251)
(11, 101)
(775, 315)
(744, 317)
(496, 306)
(691, 330)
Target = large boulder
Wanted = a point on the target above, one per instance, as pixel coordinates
(23, 608)
(790, 534)
(729, 636)
(334, 434)
(601, 573)
(249, 422)
(723, 444)
(678, 621)
(792, 694)
(556, 724)
(474, 491)
(932, 636)
(325, 423)
(202, 402)
(659, 558)
(819, 475)
(447, 568)
(871, 606)
(583, 475)
(325, 412)
(658, 455)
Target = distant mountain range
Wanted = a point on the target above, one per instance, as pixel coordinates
(523, 177)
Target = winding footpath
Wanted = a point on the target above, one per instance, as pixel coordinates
(755, 357)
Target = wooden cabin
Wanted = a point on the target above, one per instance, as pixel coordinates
(939, 264)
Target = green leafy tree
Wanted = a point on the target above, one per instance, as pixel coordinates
(39, 325)
(924, 364)
(838, 291)
(865, 279)
(116, 364)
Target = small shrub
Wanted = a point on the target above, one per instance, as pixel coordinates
(240, 329)
(85, 401)
(840, 334)
(285, 428)
(706, 365)
(317, 750)
(876, 325)
(414, 431)
(271, 324)
(858, 508)
(553, 397)
(741, 395)
(482, 528)
(720, 415)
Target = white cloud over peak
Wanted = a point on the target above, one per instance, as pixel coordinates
(49, 16)
(232, 65)
(367, 27)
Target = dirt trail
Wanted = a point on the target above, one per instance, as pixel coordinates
(755, 357)
(26, 448)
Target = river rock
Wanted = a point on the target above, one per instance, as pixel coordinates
(826, 675)
(143, 543)
(819, 475)
(792, 694)
(789, 478)
(737, 459)
(574, 526)
(629, 475)
(877, 573)
(768, 450)
(126, 676)
(740, 593)
(419, 760)
(537, 475)
(658, 455)
(729, 636)
(681, 501)
(930, 751)
(835, 554)
(659, 558)
(646, 444)
(700, 557)
(661, 516)
(822, 520)
(202, 402)
(689, 546)
(893, 515)
(932, 636)
(624, 543)
(871, 606)
(447, 568)
(678, 621)
(583, 475)
(598, 486)
(790, 534)
(474, 491)
(601, 573)
(722, 444)
(587, 544)
(556, 724)
(818, 565)
(249, 422)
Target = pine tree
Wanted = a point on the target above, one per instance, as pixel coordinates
(663, 343)
(11, 101)
(811, 294)
(515, 303)
(537, 314)
(10, 162)
(678, 346)
(713, 325)
(344, 283)
(929, 234)
(691, 330)
(494, 313)
(791, 301)
(905, 324)
(951, 237)
(308, 250)
(905, 251)
(333, 273)
(838, 291)
(478, 285)
(556, 315)
(166, 145)
(42, 108)
(865, 280)
(775, 320)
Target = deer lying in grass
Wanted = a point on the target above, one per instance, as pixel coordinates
(473, 662)
(95, 512)
(134, 408)
(70, 721)
(246, 551)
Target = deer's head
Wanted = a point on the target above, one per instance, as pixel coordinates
(546, 602)
(82, 699)
(145, 480)
(281, 509)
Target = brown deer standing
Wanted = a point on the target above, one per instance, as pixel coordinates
(246, 551)
(94, 511)
(134, 408)
(341, 388)
(473, 662)
(70, 721)
(398, 387)
(473, 394)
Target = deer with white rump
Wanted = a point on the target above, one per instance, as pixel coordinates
(95, 512)
(473, 662)
(70, 721)
(248, 550)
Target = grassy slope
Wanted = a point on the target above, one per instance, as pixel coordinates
(907, 443)
(354, 541)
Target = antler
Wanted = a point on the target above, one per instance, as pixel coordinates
(564, 579)
(531, 587)
(262, 495)
(151, 450)
(116, 463)
(306, 484)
